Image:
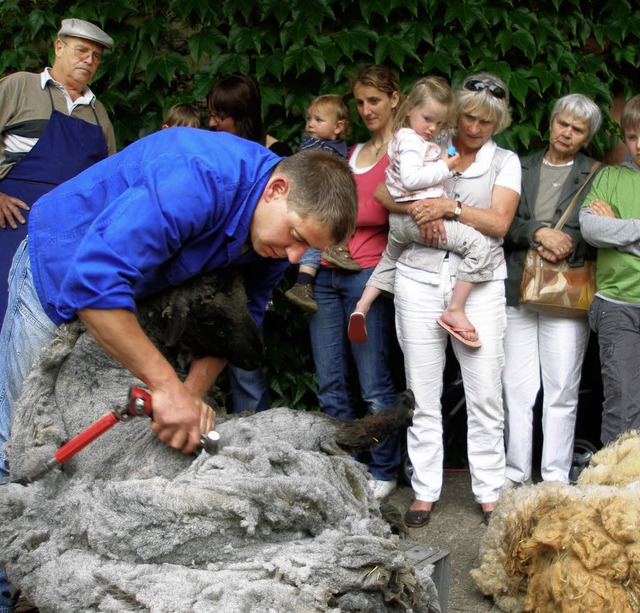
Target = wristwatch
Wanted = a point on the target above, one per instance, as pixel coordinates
(458, 210)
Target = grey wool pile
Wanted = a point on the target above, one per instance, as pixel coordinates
(572, 549)
(276, 521)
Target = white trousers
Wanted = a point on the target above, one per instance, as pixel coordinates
(548, 350)
(423, 342)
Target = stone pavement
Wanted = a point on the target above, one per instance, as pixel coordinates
(456, 526)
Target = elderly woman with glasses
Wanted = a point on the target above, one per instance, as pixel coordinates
(484, 195)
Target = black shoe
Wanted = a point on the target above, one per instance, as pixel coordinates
(486, 516)
(417, 519)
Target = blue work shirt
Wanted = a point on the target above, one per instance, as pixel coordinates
(170, 206)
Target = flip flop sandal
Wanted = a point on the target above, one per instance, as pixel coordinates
(455, 332)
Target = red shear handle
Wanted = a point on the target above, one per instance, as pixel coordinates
(139, 403)
(68, 450)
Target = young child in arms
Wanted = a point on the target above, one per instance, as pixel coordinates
(416, 171)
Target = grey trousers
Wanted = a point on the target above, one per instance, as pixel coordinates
(618, 329)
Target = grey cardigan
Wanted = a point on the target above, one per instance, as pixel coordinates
(519, 238)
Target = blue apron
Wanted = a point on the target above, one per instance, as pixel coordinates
(66, 147)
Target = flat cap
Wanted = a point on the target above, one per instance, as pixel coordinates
(84, 29)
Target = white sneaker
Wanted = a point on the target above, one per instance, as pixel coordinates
(382, 489)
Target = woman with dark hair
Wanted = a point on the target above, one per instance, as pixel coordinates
(235, 105)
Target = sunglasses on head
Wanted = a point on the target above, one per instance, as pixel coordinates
(477, 86)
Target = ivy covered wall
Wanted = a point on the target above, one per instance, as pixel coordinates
(173, 50)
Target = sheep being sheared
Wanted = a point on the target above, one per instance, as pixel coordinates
(279, 520)
(555, 547)
(206, 315)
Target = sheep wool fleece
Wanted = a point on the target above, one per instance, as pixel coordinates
(556, 547)
(274, 522)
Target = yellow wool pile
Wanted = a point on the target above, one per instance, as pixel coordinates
(554, 547)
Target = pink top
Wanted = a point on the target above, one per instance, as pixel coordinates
(372, 227)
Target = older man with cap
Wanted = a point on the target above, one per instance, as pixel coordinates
(51, 128)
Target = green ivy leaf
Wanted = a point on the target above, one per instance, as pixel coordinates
(418, 32)
(208, 40)
(243, 39)
(468, 14)
(357, 38)
(409, 5)
(544, 75)
(398, 49)
(152, 29)
(366, 9)
(270, 64)
(313, 11)
(627, 55)
(246, 7)
(298, 32)
(440, 62)
(526, 133)
(520, 85)
(165, 67)
(280, 10)
(591, 86)
(9, 7)
(226, 63)
(523, 40)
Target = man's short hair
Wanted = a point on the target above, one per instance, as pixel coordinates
(322, 187)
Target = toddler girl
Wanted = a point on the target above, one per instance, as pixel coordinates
(416, 171)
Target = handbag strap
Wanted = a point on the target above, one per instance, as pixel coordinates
(573, 202)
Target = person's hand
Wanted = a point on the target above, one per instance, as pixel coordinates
(207, 417)
(428, 215)
(451, 161)
(10, 211)
(430, 209)
(601, 209)
(547, 254)
(432, 232)
(553, 243)
(177, 418)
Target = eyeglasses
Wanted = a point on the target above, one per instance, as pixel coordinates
(477, 86)
(218, 117)
(82, 53)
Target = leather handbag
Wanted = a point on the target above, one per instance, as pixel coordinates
(558, 288)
